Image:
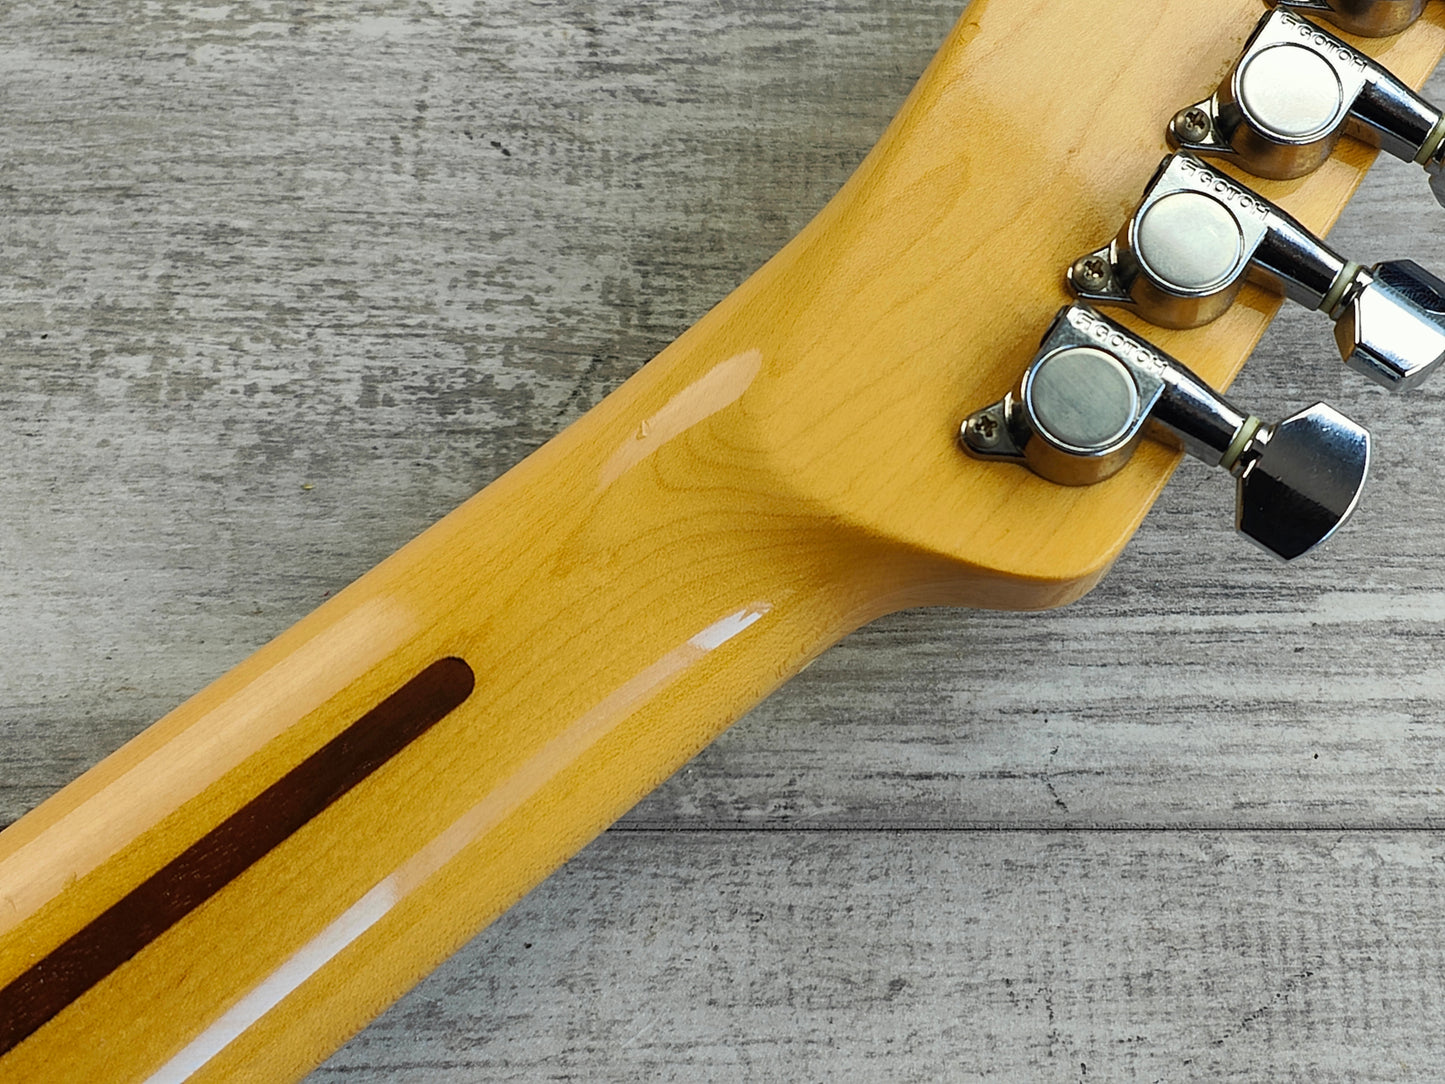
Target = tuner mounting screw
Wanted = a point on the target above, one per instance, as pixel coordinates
(1091, 273)
(985, 428)
(1192, 125)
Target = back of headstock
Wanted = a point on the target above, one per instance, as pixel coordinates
(955, 233)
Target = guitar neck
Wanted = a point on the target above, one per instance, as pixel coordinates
(321, 827)
(258, 874)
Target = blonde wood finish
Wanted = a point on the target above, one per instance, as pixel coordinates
(632, 587)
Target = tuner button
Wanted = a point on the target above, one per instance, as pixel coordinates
(1392, 327)
(1436, 169)
(1299, 480)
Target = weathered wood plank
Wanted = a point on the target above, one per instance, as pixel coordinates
(1070, 956)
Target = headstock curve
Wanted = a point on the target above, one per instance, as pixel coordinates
(937, 266)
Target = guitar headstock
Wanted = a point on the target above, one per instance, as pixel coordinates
(920, 292)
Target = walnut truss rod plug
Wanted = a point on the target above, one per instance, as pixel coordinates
(1094, 390)
(1367, 18)
(1197, 236)
(1295, 90)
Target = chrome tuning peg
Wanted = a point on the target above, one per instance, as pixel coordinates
(1197, 236)
(1291, 95)
(1094, 390)
(1367, 18)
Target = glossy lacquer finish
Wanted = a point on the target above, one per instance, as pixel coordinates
(781, 474)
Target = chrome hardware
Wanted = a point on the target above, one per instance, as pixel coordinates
(1197, 236)
(1367, 18)
(1094, 390)
(1391, 326)
(1294, 91)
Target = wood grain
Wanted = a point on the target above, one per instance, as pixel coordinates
(1173, 699)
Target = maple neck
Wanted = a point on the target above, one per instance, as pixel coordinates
(260, 872)
(394, 771)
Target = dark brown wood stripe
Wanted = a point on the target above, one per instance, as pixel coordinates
(230, 848)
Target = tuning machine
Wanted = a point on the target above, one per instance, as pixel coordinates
(1367, 18)
(1197, 236)
(1291, 95)
(1094, 390)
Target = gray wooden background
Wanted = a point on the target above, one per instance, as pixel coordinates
(281, 283)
